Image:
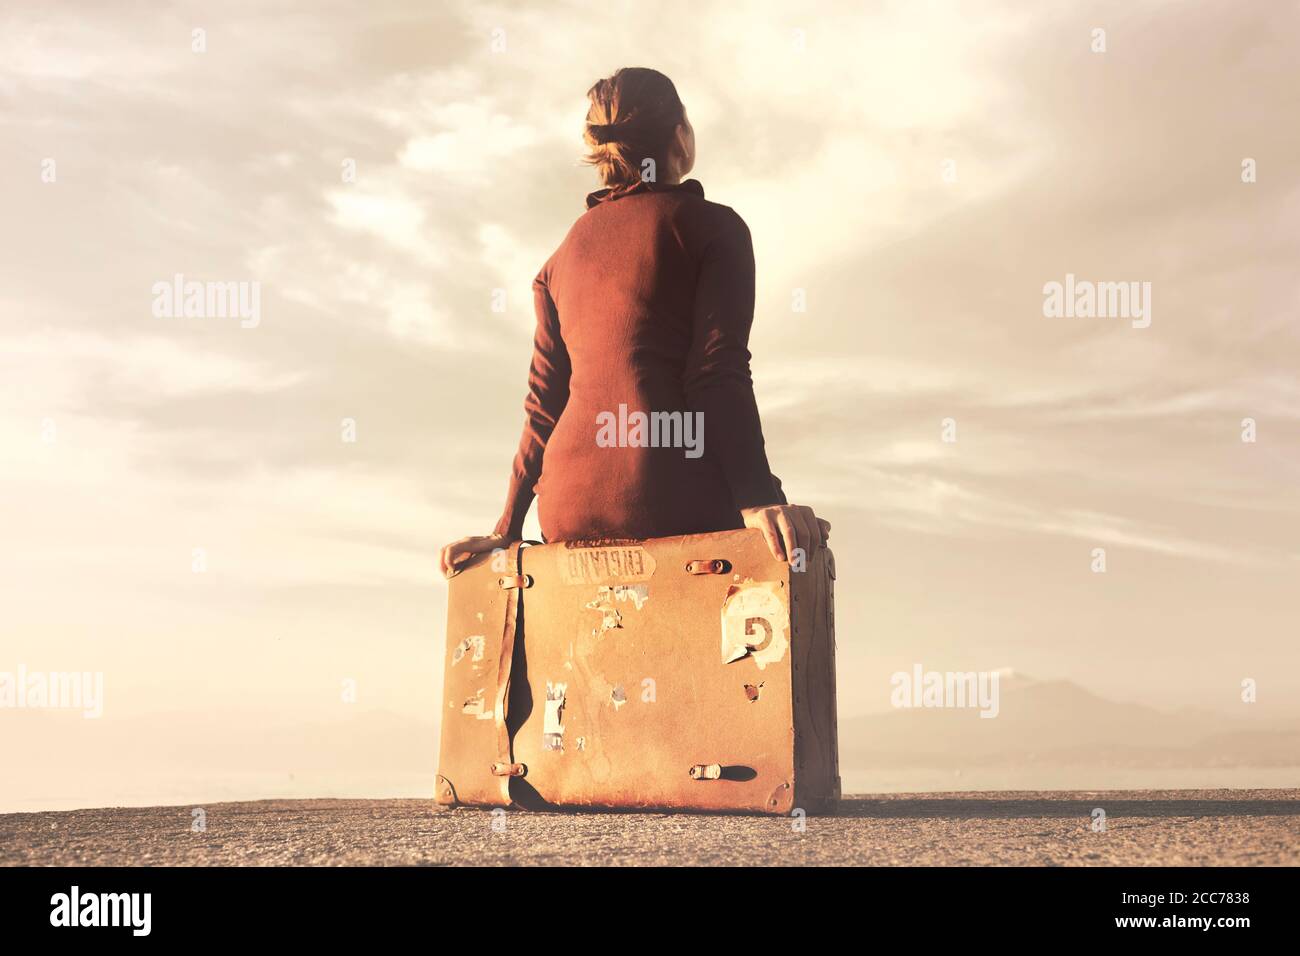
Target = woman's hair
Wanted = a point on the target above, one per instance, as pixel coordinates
(633, 117)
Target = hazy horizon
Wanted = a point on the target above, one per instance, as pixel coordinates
(1052, 735)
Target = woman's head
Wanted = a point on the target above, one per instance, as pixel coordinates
(635, 116)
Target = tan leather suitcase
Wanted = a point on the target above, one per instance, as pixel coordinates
(688, 673)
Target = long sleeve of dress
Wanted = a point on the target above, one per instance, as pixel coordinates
(548, 393)
(717, 379)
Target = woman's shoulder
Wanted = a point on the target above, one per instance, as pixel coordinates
(684, 200)
(706, 224)
(709, 216)
(681, 209)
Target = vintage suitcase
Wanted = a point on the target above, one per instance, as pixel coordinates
(688, 673)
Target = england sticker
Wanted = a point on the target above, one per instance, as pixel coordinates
(601, 565)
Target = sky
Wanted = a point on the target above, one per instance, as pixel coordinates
(916, 173)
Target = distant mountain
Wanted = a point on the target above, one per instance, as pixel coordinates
(1060, 723)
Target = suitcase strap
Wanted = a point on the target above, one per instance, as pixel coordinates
(505, 767)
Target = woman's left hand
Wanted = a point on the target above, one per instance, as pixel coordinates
(787, 527)
(454, 555)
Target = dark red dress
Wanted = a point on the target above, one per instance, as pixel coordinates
(647, 303)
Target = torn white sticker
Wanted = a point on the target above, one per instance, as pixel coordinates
(473, 644)
(477, 707)
(755, 623)
(609, 616)
(638, 594)
(553, 717)
(609, 595)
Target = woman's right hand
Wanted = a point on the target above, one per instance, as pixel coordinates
(454, 555)
(787, 527)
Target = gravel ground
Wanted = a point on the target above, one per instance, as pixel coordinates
(1181, 827)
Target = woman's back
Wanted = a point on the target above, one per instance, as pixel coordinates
(643, 320)
(640, 413)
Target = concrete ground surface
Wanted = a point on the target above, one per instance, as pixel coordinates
(1176, 828)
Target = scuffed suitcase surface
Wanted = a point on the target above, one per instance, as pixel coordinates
(476, 615)
(631, 654)
(692, 673)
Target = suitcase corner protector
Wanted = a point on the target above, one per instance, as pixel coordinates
(781, 800)
(444, 792)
